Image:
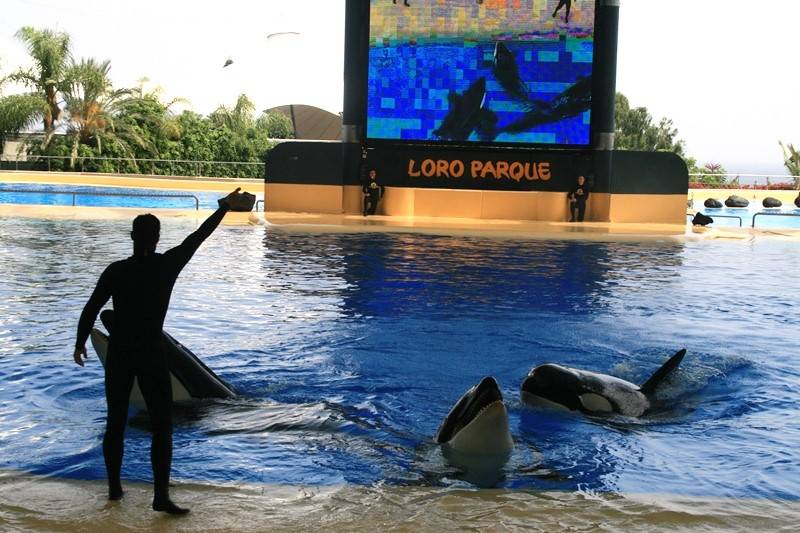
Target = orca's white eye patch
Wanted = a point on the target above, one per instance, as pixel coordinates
(595, 403)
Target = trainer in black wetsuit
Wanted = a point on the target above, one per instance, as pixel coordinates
(577, 200)
(372, 194)
(140, 288)
(563, 3)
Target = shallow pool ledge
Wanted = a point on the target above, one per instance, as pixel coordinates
(64, 212)
(592, 231)
(47, 504)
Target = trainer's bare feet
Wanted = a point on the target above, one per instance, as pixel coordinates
(167, 506)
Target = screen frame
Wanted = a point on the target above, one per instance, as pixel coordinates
(379, 141)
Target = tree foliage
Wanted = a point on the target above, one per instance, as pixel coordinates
(637, 130)
(51, 55)
(791, 160)
(713, 174)
(84, 117)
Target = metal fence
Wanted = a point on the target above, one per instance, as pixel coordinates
(122, 165)
(766, 213)
(98, 193)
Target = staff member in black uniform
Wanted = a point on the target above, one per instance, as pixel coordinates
(141, 287)
(577, 200)
(372, 194)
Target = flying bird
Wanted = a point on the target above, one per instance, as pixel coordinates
(228, 61)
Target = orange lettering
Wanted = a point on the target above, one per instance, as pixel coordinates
(457, 168)
(516, 171)
(488, 168)
(475, 168)
(428, 168)
(502, 169)
(411, 172)
(530, 172)
(544, 171)
(442, 169)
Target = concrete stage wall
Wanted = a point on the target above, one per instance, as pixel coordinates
(326, 177)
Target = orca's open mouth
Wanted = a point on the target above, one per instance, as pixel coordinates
(471, 404)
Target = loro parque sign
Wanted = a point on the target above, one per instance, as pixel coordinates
(517, 170)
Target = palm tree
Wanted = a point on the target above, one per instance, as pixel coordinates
(92, 106)
(238, 119)
(50, 51)
(19, 112)
(791, 160)
(148, 110)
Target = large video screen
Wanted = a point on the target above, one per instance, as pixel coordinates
(481, 71)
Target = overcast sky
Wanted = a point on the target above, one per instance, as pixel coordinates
(723, 70)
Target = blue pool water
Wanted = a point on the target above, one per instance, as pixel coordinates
(348, 349)
(46, 196)
(765, 219)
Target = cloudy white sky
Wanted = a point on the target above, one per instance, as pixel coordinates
(722, 70)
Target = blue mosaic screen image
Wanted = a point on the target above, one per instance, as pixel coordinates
(490, 71)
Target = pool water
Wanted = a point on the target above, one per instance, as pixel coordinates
(347, 351)
(41, 193)
(765, 218)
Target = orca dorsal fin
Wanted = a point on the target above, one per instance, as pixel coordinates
(650, 385)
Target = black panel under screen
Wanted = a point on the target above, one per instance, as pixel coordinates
(493, 170)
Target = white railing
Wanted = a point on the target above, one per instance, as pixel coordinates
(731, 179)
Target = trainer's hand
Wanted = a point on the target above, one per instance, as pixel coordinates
(80, 355)
(230, 199)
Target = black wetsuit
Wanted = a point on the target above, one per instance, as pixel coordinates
(374, 193)
(140, 287)
(577, 205)
(563, 3)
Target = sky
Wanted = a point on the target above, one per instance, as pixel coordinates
(722, 70)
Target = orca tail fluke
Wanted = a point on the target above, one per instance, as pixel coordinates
(655, 380)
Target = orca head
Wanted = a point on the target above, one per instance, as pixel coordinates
(552, 386)
(478, 423)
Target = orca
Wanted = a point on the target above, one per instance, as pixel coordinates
(702, 220)
(466, 113)
(191, 378)
(574, 100)
(477, 425)
(506, 71)
(552, 385)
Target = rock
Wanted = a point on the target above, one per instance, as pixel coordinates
(736, 201)
(713, 203)
(702, 220)
(797, 201)
(769, 201)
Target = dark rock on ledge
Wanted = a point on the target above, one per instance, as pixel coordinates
(736, 201)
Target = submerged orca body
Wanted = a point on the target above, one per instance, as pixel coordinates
(477, 425)
(580, 390)
(466, 113)
(574, 100)
(191, 378)
(505, 69)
